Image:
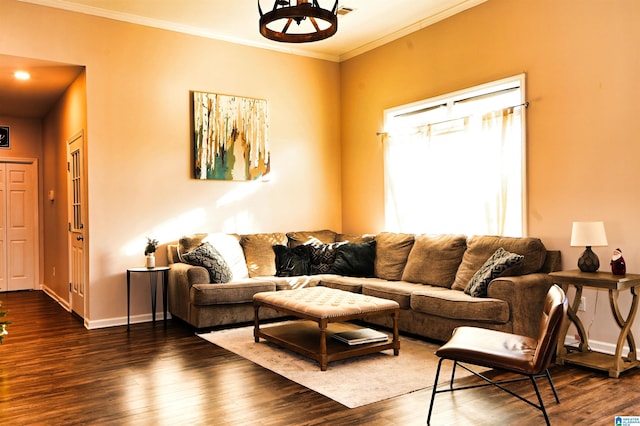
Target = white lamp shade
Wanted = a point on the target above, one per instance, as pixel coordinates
(588, 234)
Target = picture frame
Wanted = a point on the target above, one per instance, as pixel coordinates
(230, 140)
(5, 142)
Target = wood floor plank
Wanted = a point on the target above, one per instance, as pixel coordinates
(55, 372)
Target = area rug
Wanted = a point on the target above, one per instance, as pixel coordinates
(352, 382)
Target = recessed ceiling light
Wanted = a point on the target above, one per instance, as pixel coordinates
(22, 75)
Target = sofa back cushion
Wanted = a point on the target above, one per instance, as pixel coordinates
(392, 251)
(480, 248)
(355, 238)
(434, 260)
(299, 238)
(258, 251)
(189, 242)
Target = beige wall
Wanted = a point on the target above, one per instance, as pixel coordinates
(67, 118)
(139, 143)
(582, 62)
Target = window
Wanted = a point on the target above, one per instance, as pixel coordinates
(456, 163)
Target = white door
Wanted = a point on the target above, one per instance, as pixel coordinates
(18, 226)
(77, 230)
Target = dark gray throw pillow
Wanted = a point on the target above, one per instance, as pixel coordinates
(500, 262)
(292, 262)
(207, 256)
(322, 256)
(355, 260)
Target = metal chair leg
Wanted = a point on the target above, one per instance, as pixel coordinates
(553, 388)
(541, 404)
(433, 392)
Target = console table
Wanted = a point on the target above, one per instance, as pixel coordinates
(582, 354)
(153, 284)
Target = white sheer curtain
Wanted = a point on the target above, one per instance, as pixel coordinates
(457, 176)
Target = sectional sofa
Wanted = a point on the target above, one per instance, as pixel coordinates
(440, 282)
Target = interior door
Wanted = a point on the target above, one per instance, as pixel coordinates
(18, 226)
(77, 230)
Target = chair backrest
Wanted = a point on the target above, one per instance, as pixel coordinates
(554, 313)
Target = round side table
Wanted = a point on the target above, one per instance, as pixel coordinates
(153, 284)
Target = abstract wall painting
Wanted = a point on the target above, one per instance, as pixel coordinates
(230, 137)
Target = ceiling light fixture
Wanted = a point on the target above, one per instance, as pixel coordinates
(313, 23)
(22, 75)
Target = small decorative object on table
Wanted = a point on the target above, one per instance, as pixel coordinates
(3, 324)
(618, 267)
(149, 251)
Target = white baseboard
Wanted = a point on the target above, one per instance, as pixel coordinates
(108, 322)
(135, 319)
(65, 304)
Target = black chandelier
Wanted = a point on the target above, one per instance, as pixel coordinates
(313, 23)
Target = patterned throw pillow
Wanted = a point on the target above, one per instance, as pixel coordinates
(496, 266)
(322, 256)
(208, 257)
(292, 262)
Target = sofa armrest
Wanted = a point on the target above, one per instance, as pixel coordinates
(182, 277)
(525, 295)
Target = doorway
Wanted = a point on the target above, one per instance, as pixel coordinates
(18, 225)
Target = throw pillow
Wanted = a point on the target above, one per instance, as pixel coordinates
(499, 263)
(228, 245)
(355, 260)
(292, 262)
(207, 256)
(322, 256)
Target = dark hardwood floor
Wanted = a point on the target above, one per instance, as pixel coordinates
(55, 372)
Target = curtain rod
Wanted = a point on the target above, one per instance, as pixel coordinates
(524, 104)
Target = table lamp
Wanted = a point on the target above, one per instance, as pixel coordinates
(588, 234)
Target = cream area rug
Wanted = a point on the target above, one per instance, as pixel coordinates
(352, 382)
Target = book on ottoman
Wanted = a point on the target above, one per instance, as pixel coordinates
(358, 337)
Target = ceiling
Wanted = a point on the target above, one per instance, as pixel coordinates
(370, 24)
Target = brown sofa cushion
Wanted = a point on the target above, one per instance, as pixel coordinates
(399, 291)
(480, 248)
(241, 291)
(304, 237)
(392, 251)
(258, 251)
(435, 259)
(189, 242)
(448, 303)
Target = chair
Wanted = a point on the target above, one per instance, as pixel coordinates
(510, 352)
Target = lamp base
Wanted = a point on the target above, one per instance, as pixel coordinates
(589, 261)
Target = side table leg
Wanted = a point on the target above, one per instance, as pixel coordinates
(153, 284)
(165, 299)
(128, 298)
(625, 332)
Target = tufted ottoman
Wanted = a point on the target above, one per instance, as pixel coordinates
(330, 309)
